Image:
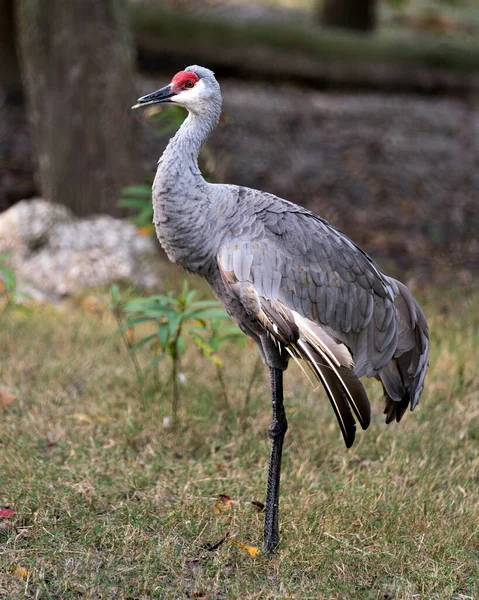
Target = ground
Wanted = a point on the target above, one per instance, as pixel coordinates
(112, 503)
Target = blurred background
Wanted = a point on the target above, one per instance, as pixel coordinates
(362, 110)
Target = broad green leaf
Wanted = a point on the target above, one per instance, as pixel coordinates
(137, 190)
(144, 341)
(202, 344)
(174, 321)
(195, 326)
(155, 361)
(190, 296)
(180, 343)
(167, 300)
(209, 313)
(9, 279)
(134, 322)
(172, 349)
(134, 203)
(115, 294)
(163, 334)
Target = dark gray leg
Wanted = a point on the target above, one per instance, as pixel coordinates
(277, 429)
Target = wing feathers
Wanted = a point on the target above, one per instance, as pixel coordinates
(322, 299)
(334, 392)
(330, 361)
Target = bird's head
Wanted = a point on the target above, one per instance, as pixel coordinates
(195, 88)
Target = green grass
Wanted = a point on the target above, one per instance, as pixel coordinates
(111, 504)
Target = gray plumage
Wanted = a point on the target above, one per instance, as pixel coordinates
(298, 286)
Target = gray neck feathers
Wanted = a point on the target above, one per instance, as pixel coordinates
(181, 200)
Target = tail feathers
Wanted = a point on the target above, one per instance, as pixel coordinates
(395, 395)
(403, 376)
(343, 388)
(403, 383)
(394, 410)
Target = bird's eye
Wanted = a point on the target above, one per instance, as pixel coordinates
(189, 84)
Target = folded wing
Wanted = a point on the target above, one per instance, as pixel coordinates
(325, 301)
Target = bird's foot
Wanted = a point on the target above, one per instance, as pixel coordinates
(269, 546)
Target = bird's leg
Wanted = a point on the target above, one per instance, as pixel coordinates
(276, 432)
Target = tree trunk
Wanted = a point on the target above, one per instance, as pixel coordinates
(349, 14)
(10, 80)
(78, 73)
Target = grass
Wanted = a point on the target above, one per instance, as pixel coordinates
(112, 504)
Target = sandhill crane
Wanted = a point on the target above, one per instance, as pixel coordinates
(292, 282)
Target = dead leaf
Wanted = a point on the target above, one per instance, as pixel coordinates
(223, 504)
(82, 417)
(6, 513)
(18, 572)
(146, 231)
(6, 399)
(251, 550)
(130, 334)
(93, 305)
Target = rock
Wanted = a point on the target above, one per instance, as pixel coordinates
(57, 254)
(27, 225)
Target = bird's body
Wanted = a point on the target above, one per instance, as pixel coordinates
(295, 284)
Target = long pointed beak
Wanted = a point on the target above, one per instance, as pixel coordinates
(161, 96)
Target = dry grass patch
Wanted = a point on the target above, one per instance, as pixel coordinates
(111, 504)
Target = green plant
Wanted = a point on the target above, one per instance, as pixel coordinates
(169, 118)
(9, 287)
(170, 319)
(134, 509)
(138, 198)
(209, 339)
(117, 302)
(8, 281)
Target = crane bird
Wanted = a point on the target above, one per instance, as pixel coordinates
(291, 281)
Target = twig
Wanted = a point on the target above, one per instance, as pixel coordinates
(254, 376)
(221, 379)
(127, 342)
(176, 390)
(174, 374)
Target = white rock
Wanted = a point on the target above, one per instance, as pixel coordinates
(60, 254)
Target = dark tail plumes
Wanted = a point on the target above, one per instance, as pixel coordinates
(344, 390)
(403, 377)
(305, 339)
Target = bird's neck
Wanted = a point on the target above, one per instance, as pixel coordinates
(181, 200)
(180, 159)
